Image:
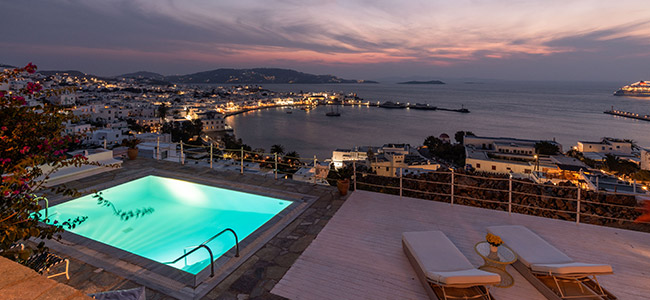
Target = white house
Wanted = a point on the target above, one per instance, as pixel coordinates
(340, 156)
(645, 159)
(111, 136)
(506, 155)
(606, 146)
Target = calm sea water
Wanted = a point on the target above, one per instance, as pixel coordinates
(564, 111)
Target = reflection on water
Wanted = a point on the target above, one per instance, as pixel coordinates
(567, 112)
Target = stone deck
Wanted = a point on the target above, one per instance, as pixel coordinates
(359, 254)
(258, 274)
(22, 283)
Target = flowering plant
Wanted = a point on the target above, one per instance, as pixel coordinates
(31, 137)
(493, 240)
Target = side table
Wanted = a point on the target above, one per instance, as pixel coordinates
(497, 262)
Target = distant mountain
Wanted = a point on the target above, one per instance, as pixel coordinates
(422, 82)
(3, 66)
(258, 75)
(143, 75)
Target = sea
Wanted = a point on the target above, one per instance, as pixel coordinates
(566, 112)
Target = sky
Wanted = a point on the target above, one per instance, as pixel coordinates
(582, 40)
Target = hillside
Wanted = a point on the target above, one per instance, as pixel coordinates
(258, 75)
(143, 75)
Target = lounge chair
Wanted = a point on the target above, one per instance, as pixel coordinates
(443, 270)
(43, 262)
(552, 272)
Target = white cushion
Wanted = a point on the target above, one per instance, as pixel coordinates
(441, 261)
(571, 268)
(473, 276)
(539, 255)
(529, 247)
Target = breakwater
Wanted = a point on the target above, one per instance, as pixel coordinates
(627, 114)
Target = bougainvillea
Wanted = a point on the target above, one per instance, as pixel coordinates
(30, 137)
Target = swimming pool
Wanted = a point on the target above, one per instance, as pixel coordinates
(175, 216)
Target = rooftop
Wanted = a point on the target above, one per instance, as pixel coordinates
(358, 255)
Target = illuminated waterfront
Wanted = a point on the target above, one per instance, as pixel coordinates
(540, 110)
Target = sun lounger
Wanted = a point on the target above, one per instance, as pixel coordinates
(552, 272)
(443, 270)
(43, 262)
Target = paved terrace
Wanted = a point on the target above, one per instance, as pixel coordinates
(256, 276)
(358, 255)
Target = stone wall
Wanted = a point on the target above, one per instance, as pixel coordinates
(492, 191)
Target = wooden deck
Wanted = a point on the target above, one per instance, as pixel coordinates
(358, 255)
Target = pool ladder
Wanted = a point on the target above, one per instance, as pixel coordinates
(203, 245)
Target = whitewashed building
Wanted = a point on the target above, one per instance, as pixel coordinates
(645, 159)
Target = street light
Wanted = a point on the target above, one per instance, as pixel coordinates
(536, 163)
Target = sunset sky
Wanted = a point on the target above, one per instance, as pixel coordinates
(361, 39)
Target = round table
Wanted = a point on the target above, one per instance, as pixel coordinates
(497, 262)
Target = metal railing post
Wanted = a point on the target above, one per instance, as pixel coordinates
(314, 177)
(400, 182)
(578, 208)
(275, 170)
(180, 158)
(211, 156)
(510, 194)
(354, 177)
(452, 186)
(241, 156)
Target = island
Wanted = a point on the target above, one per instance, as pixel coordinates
(422, 82)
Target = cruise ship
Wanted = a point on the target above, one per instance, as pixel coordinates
(638, 89)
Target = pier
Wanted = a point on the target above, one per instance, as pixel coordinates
(392, 105)
(627, 114)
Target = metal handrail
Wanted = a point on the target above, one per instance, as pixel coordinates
(47, 204)
(203, 245)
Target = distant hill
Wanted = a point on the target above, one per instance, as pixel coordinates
(227, 76)
(3, 66)
(143, 75)
(422, 82)
(258, 75)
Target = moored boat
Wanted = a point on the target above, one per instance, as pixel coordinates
(424, 106)
(390, 104)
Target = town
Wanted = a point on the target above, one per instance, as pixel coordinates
(271, 150)
(147, 138)
(186, 123)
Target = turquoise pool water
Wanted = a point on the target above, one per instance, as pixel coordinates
(184, 215)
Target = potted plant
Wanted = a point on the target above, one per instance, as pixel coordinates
(343, 182)
(132, 146)
(494, 241)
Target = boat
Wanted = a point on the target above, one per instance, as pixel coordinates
(333, 113)
(424, 106)
(390, 104)
(289, 111)
(637, 89)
